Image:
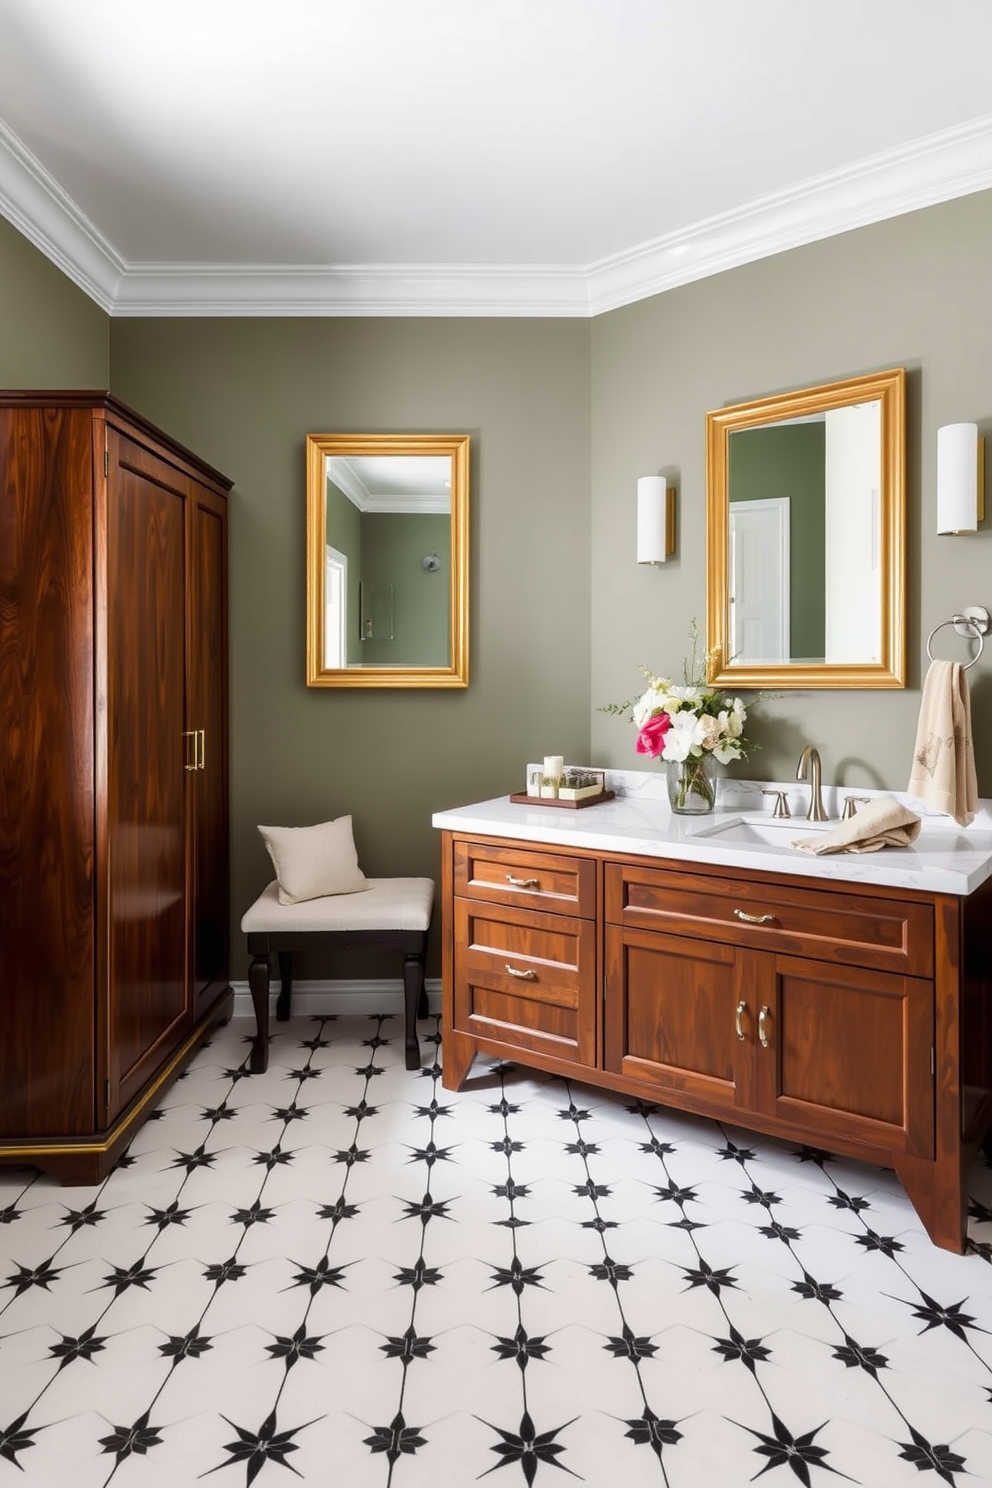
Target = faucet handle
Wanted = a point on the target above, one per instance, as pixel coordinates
(781, 802)
(851, 805)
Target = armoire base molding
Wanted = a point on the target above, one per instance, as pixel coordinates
(88, 1160)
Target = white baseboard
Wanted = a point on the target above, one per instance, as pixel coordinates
(320, 999)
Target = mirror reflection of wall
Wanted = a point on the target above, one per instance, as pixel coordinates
(804, 538)
(384, 514)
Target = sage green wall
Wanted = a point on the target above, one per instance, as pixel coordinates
(393, 544)
(244, 394)
(51, 334)
(913, 293)
(791, 461)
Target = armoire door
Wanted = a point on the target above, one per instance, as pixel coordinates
(145, 989)
(207, 717)
(47, 809)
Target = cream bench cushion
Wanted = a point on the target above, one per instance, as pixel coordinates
(387, 904)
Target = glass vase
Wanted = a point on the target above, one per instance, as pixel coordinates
(692, 785)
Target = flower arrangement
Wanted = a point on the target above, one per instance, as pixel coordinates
(689, 724)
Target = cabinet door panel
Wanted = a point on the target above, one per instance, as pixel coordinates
(47, 805)
(146, 983)
(526, 979)
(207, 716)
(849, 1054)
(671, 1016)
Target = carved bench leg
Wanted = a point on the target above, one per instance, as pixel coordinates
(258, 985)
(414, 998)
(285, 985)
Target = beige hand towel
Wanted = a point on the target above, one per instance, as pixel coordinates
(882, 823)
(943, 772)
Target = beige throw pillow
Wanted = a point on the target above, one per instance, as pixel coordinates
(313, 861)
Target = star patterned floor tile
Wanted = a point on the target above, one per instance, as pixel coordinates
(341, 1268)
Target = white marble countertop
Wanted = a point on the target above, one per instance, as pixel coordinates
(944, 858)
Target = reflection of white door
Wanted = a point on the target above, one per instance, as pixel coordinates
(335, 606)
(759, 572)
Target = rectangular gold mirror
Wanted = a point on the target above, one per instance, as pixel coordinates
(806, 537)
(387, 560)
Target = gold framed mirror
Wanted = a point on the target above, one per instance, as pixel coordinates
(387, 560)
(806, 537)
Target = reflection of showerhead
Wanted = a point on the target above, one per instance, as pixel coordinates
(431, 563)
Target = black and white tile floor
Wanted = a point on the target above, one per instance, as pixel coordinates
(340, 1272)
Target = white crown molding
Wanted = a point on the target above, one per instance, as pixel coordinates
(350, 483)
(953, 163)
(921, 174)
(408, 506)
(436, 290)
(34, 202)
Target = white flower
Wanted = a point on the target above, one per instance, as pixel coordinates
(650, 703)
(685, 697)
(684, 737)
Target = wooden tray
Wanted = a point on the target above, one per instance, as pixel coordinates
(523, 799)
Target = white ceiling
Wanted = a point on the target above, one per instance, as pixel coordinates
(453, 157)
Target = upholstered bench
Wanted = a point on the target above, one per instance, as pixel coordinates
(391, 912)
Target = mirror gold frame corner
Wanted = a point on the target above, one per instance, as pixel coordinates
(889, 671)
(318, 448)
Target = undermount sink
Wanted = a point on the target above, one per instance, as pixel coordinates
(763, 831)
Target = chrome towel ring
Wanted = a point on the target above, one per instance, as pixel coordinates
(974, 622)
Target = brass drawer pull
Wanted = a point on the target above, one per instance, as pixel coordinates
(763, 1027)
(523, 883)
(525, 976)
(753, 919)
(738, 1020)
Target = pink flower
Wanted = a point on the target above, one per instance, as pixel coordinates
(651, 739)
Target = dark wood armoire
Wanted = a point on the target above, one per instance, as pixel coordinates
(113, 773)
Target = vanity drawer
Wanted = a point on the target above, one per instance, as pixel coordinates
(526, 978)
(843, 928)
(534, 880)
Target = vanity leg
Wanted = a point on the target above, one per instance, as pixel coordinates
(258, 985)
(457, 1053)
(285, 985)
(938, 1194)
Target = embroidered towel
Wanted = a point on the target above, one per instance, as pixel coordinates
(882, 823)
(943, 773)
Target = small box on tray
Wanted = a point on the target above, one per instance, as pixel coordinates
(579, 784)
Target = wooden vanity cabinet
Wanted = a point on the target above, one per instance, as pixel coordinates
(850, 1017)
(770, 1005)
(113, 763)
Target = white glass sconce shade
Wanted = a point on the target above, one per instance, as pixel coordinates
(655, 519)
(960, 478)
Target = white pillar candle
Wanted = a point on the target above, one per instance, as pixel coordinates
(553, 765)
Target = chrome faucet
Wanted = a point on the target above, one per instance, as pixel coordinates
(809, 768)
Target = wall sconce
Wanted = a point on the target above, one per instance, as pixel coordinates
(655, 519)
(960, 478)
